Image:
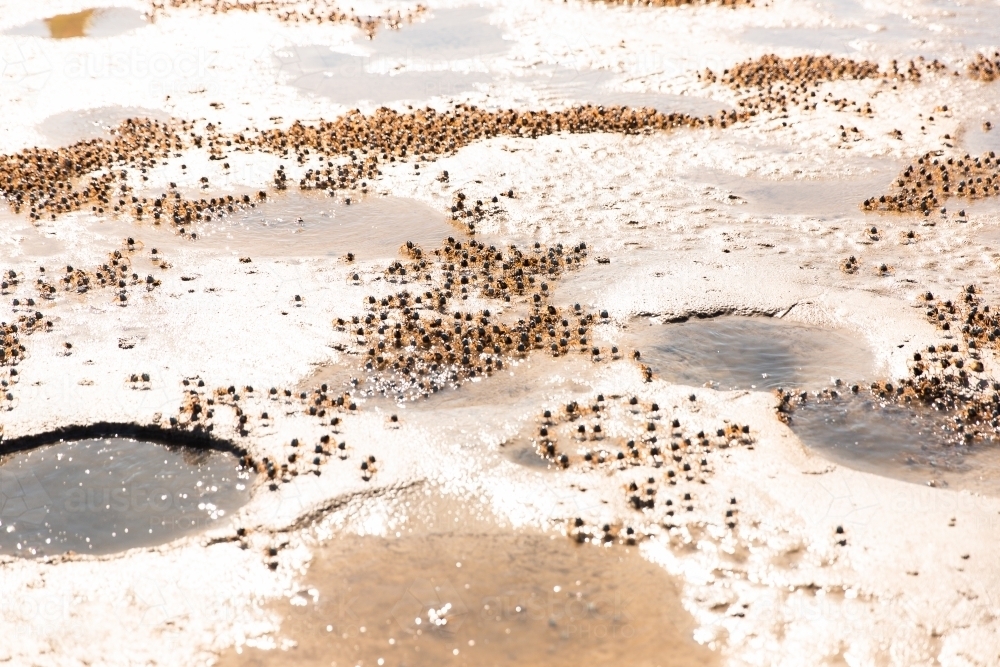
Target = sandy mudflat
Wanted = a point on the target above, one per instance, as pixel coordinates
(745, 546)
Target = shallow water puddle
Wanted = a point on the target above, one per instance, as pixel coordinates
(595, 87)
(440, 596)
(910, 443)
(20, 239)
(94, 22)
(978, 138)
(822, 199)
(857, 28)
(523, 389)
(107, 495)
(301, 224)
(519, 386)
(761, 353)
(437, 47)
(450, 34)
(447, 55)
(69, 127)
(347, 80)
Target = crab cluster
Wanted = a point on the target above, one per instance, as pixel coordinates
(415, 341)
(631, 436)
(924, 186)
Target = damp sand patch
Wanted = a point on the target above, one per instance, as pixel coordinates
(481, 596)
(106, 495)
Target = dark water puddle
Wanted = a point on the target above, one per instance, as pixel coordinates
(449, 36)
(464, 593)
(312, 224)
(107, 495)
(911, 443)
(757, 353)
(95, 22)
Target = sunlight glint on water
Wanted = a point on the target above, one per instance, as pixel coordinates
(108, 495)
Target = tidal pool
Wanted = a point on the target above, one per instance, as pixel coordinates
(761, 353)
(913, 443)
(106, 495)
(458, 590)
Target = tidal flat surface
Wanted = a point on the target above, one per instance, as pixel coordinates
(708, 177)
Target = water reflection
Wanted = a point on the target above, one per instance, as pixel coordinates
(751, 353)
(914, 443)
